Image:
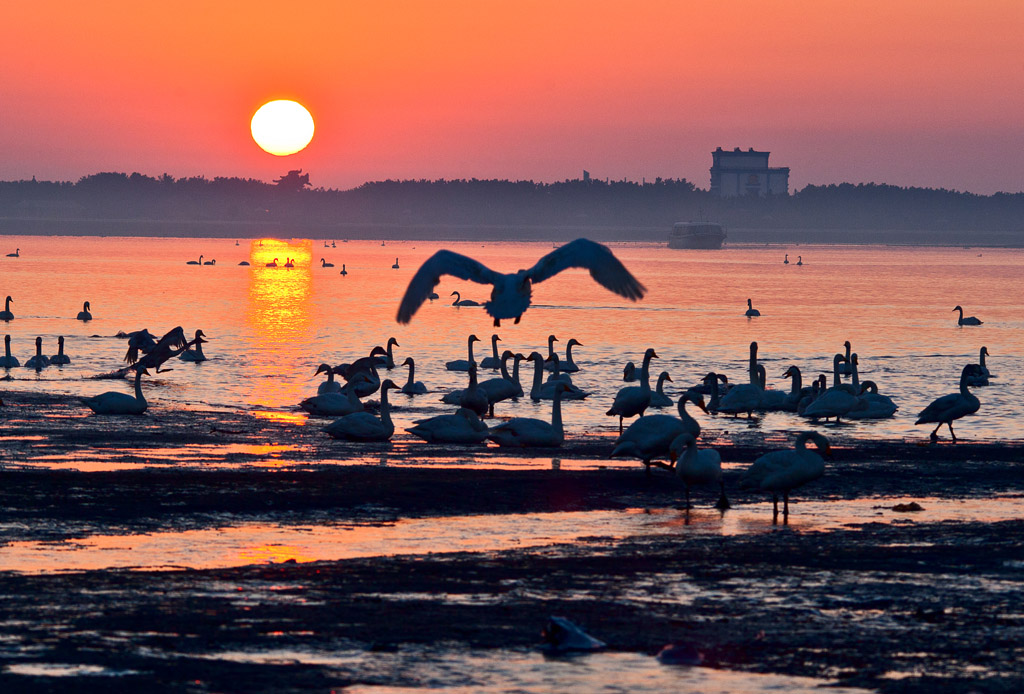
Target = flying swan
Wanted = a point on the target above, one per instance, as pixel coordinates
(511, 294)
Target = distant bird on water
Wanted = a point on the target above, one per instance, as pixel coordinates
(323, 261)
(195, 262)
(395, 266)
(7, 361)
(969, 320)
(512, 292)
(40, 360)
(343, 270)
(60, 358)
(751, 311)
(272, 263)
(211, 261)
(16, 254)
(799, 260)
(786, 261)
(84, 313)
(6, 313)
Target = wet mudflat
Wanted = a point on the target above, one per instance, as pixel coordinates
(899, 605)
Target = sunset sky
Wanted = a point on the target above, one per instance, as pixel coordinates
(907, 93)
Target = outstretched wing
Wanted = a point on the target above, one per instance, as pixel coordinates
(429, 274)
(604, 267)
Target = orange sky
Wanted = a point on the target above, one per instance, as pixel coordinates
(908, 93)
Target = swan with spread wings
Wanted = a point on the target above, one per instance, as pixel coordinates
(512, 291)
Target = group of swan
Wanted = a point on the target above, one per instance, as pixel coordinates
(39, 361)
(511, 292)
(212, 261)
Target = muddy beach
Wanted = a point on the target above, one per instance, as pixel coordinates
(889, 600)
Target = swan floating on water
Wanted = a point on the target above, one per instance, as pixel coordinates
(658, 397)
(289, 262)
(8, 362)
(84, 313)
(60, 358)
(39, 361)
(195, 262)
(784, 471)
(16, 254)
(950, 407)
(113, 402)
(395, 266)
(463, 364)
(980, 378)
(459, 301)
(412, 386)
(511, 293)
(786, 261)
(330, 385)
(6, 313)
(837, 401)
(272, 263)
(493, 361)
(211, 261)
(195, 354)
(799, 260)
(244, 262)
(969, 320)
(323, 261)
(871, 404)
(343, 270)
(751, 311)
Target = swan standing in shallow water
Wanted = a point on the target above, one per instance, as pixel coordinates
(697, 466)
(969, 320)
(634, 400)
(84, 313)
(505, 387)
(950, 407)
(39, 361)
(333, 404)
(60, 358)
(784, 471)
(751, 311)
(745, 397)
(526, 432)
(837, 401)
(113, 402)
(8, 362)
(6, 313)
(363, 426)
(650, 436)
(511, 293)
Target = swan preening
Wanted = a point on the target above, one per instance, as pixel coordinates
(950, 407)
(84, 313)
(511, 293)
(784, 471)
(969, 320)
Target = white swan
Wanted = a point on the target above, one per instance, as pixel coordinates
(545, 390)
(493, 361)
(658, 397)
(511, 294)
(980, 378)
(8, 362)
(834, 402)
(333, 404)
(389, 355)
(112, 402)
(195, 262)
(526, 432)
(969, 320)
(412, 386)
(363, 426)
(84, 313)
(459, 301)
(872, 405)
(751, 311)
(463, 364)
(60, 358)
(745, 397)
(650, 436)
(846, 368)
(6, 313)
(784, 471)
(39, 361)
(323, 261)
(503, 387)
(634, 400)
(330, 385)
(395, 266)
(462, 427)
(950, 407)
(195, 353)
(697, 466)
(569, 366)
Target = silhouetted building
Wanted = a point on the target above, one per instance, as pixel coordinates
(746, 173)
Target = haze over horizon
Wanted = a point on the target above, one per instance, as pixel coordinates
(908, 94)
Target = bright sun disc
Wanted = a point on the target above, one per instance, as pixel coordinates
(282, 127)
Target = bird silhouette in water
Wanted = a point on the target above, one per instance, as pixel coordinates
(511, 293)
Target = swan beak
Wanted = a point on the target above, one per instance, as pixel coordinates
(828, 451)
(700, 403)
(669, 378)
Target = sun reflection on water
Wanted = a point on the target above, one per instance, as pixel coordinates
(281, 320)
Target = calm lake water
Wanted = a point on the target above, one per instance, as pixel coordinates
(269, 328)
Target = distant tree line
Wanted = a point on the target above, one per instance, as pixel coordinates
(461, 202)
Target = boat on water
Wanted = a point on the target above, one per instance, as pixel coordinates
(696, 235)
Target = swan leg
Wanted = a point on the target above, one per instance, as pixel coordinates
(497, 323)
(516, 322)
(950, 425)
(935, 431)
(490, 410)
(723, 502)
(785, 507)
(686, 515)
(687, 500)
(620, 432)
(775, 509)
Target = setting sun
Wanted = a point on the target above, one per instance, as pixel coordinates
(282, 127)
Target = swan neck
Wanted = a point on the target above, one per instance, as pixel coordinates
(503, 365)
(385, 407)
(412, 372)
(798, 381)
(138, 387)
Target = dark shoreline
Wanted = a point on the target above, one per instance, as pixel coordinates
(936, 603)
